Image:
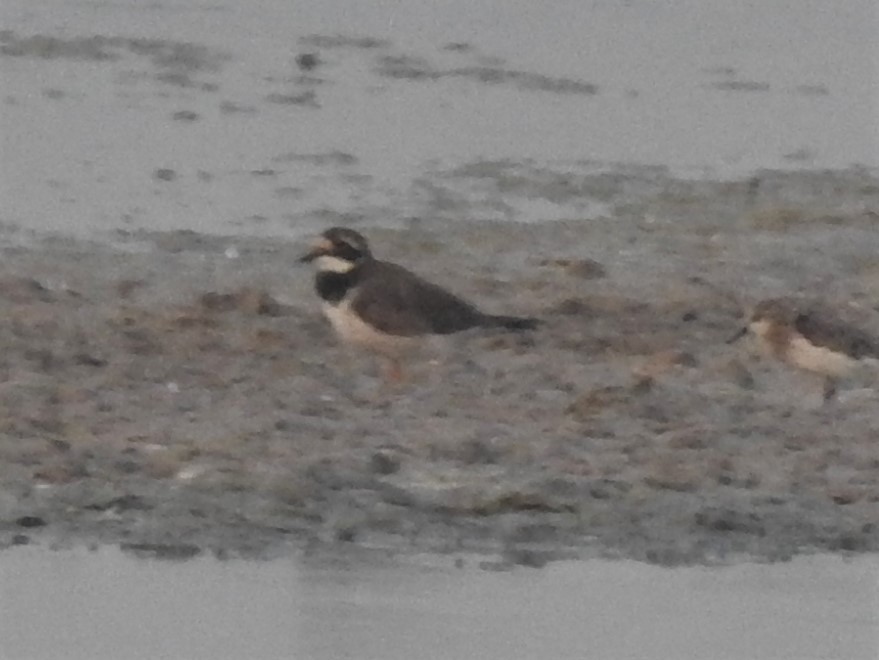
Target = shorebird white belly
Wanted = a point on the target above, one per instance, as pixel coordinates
(352, 329)
(818, 359)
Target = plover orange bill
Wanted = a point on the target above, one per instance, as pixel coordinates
(814, 337)
(386, 308)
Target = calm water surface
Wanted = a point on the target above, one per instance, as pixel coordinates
(706, 87)
(105, 604)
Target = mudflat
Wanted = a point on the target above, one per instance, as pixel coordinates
(175, 392)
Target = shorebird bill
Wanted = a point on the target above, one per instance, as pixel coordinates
(319, 249)
(741, 332)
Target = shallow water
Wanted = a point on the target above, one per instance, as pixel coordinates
(106, 604)
(705, 87)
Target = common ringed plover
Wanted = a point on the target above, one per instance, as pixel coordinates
(384, 307)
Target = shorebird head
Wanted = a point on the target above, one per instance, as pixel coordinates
(767, 317)
(338, 250)
(774, 318)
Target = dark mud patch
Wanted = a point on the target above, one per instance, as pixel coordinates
(739, 86)
(342, 41)
(174, 62)
(480, 69)
(306, 99)
(409, 67)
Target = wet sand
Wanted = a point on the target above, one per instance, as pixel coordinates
(178, 393)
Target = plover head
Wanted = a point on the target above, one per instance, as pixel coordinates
(770, 320)
(338, 250)
(774, 321)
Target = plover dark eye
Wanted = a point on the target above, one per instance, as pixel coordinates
(347, 243)
(347, 250)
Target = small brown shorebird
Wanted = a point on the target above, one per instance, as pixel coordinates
(813, 337)
(384, 307)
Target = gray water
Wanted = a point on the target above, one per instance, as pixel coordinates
(107, 605)
(705, 87)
